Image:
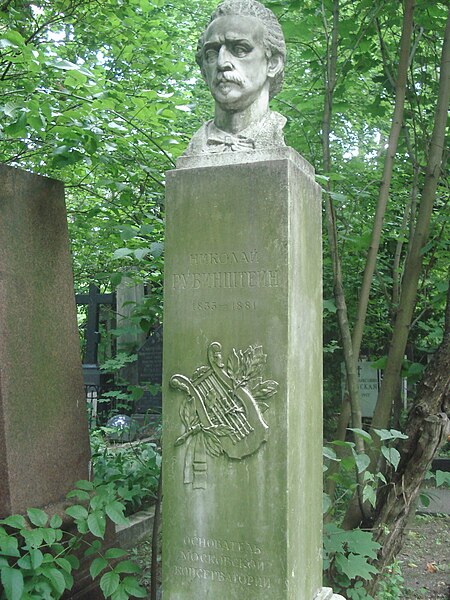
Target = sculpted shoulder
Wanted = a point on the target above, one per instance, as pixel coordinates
(266, 133)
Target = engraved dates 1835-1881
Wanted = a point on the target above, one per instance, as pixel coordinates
(222, 412)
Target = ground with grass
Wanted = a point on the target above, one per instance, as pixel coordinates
(424, 561)
(425, 558)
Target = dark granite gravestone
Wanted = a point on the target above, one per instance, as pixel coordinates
(150, 371)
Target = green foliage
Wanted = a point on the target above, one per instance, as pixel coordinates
(391, 584)
(349, 555)
(39, 554)
(352, 463)
(131, 472)
(346, 559)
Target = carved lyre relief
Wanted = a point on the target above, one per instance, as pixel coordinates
(222, 412)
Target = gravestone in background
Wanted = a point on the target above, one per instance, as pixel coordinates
(44, 442)
(129, 296)
(150, 370)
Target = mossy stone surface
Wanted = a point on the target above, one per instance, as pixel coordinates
(243, 335)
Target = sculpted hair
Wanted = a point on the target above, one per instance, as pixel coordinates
(274, 43)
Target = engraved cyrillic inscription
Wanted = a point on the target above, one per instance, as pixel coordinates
(223, 258)
(223, 577)
(223, 561)
(226, 280)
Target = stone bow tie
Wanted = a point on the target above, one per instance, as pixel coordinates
(230, 143)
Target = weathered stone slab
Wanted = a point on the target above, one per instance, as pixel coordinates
(242, 384)
(44, 445)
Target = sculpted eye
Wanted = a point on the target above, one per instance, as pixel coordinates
(211, 55)
(240, 50)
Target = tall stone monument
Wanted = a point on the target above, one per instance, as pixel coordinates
(242, 411)
(44, 443)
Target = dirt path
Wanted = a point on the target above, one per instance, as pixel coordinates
(425, 559)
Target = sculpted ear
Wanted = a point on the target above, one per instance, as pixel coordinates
(274, 65)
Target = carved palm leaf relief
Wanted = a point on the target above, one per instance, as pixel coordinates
(222, 411)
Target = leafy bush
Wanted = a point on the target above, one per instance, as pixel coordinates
(348, 555)
(38, 554)
(346, 559)
(131, 470)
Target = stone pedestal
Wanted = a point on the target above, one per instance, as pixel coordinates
(44, 443)
(242, 385)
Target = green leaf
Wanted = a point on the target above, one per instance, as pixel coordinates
(83, 484)
(56, 579)
(133, 588)
(384, 434)
(141, 253)
(329, 453)
(36, 558)
(442, 478)
(12, 580)
(25, 563)
(56, 521)
(361, 542)
(33, 537)
(330, 306)
(9, 546)
(156, 249)
(361, 433)
(97, 523)
(113, 553)
(326, 503)
(391, 455)
(425, 499)
(77, 512)
(120, 594)
(37, 516)
(79, 494)
(97, 566)
(369, 495)
(109, 583)
(362, 462)
(354, 566)
(122, 252)
(14, 521)
(14, 37)
(127, 566)
(64, 564)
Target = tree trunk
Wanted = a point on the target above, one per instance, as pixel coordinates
(410, 281)
(413, 264)
(427, 428)
(397, 118)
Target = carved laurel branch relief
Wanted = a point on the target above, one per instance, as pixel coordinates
(222, 411)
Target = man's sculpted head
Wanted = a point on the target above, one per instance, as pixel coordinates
(272, 36)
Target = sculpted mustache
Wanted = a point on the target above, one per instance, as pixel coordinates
(229, 76)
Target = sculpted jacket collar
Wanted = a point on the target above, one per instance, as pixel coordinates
(266, 133)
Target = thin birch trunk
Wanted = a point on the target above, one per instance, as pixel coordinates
(400, 92)
(383, 196)
(414, 260)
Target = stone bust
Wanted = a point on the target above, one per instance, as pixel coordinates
(241, 55)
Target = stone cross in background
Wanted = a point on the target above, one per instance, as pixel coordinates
(44, 442)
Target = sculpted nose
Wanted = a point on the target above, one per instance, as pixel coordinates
(224, 59)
